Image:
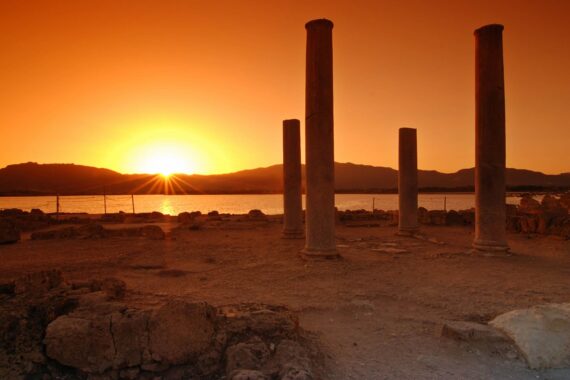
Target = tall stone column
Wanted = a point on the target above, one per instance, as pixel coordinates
(408, 182)
(319, 140)
(292, 198)
(490, 183)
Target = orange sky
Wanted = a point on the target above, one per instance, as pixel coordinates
(115, 83)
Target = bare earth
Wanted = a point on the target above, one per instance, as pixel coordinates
(377, 314)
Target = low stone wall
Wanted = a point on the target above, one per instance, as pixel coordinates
(50, 329)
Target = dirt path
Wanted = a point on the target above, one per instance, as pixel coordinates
(378, 314)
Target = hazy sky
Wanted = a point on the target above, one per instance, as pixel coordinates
(203, 86)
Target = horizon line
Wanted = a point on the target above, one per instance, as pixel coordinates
(262, 167)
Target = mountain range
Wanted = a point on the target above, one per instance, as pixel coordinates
(69, 179)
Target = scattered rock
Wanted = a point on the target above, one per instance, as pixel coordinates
(251, 355)
(8, 232)
(152, 232)
(256, 215)
(86, 344)
(185, 217)
(541, 333)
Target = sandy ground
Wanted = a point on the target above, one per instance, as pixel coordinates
(378, 315)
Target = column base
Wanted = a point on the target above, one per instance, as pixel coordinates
(490, 247)
(317, 254)
(292, 234)
(408, 232)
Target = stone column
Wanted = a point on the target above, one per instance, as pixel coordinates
(319, 140)
(490, 183)
(292, 198)
(408, 182)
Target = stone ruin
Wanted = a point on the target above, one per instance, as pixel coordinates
(551, 216)
(319, 142)
(51, 329)
(490, 141)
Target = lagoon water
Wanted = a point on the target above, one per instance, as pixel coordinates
(234, 204)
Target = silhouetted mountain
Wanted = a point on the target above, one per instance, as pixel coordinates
(37, 179)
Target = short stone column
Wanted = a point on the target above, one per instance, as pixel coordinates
(292, 197)
(407, 182)
(490, 183)
(319, 140)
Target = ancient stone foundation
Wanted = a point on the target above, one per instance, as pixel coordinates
(51, 329)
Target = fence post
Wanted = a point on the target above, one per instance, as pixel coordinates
(57, 206)
(105, 203)
(373, 205)
(133, 202)
(445, 203)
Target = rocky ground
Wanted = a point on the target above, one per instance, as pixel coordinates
(376, 314)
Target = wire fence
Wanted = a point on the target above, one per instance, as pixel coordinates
(91, 204)
(230, 203)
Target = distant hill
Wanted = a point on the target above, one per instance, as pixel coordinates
(66, 179)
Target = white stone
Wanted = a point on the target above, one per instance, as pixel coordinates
(541, 333)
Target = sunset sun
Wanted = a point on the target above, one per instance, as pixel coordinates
(164, 159)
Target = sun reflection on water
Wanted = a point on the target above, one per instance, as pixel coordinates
(166, 207)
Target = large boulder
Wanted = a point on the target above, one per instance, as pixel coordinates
(8, 232)
(86, 344)
(541, 333)
(130, 336)
(179, 331)
(117, 338)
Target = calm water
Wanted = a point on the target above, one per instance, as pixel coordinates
(234, 204)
